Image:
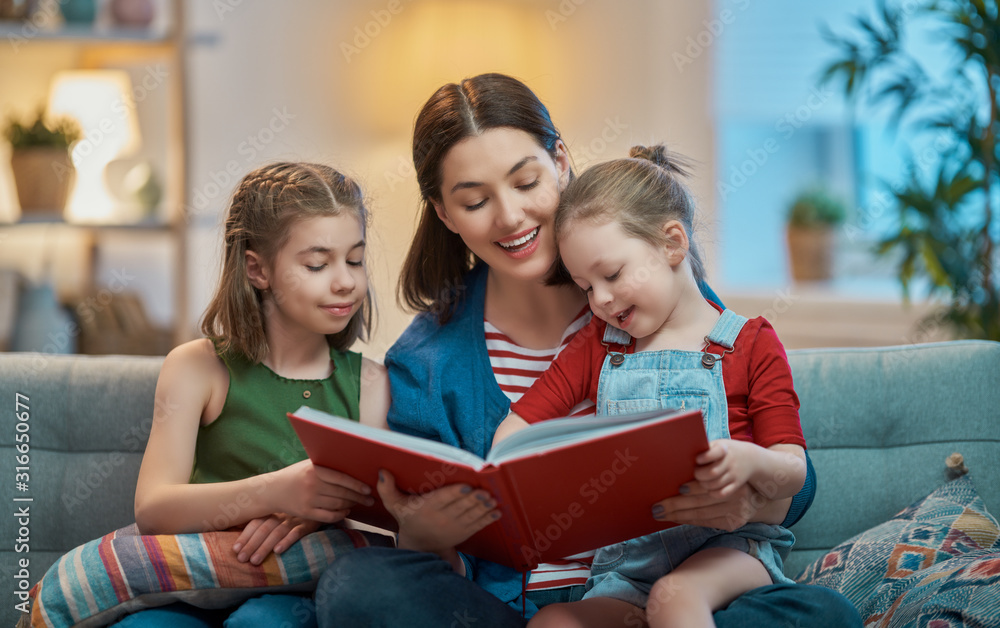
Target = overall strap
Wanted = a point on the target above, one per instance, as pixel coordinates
(615, 336)
(726, 329)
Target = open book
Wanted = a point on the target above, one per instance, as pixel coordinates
(563, 486)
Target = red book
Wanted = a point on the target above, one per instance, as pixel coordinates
(563, 486)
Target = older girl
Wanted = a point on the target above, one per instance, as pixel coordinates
(292, 299)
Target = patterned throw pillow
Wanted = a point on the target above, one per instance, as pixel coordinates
(875, 568)
(961, 591)
(122, 572)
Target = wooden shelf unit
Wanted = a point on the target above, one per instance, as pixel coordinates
(92, 48)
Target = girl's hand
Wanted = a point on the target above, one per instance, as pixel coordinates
(310, 492)
(726, 466)
(275, 533)
(439, 520)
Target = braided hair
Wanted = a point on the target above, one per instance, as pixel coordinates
(262, 210)
(641, 194)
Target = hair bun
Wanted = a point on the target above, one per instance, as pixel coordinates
(672, 162)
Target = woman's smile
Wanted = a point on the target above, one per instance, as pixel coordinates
(520, 244)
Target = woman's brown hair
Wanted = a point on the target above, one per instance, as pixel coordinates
(264, 206)
(641, 194)
(433, 274)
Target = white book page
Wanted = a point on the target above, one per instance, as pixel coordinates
(435, 449)
(546, 435)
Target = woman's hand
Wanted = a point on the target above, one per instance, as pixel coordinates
(439, 520)
(274, 533)
(697, 505)
(317, 493)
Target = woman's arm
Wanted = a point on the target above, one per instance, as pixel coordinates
(191, 380)
(375, 398)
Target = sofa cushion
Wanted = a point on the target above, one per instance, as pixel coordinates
(880, 422)
(124, 572)
(951, 521)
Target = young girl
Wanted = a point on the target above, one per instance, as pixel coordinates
(292, 299)
(624, 235)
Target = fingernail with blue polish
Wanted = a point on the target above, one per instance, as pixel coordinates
(684, 489)
(657, 511)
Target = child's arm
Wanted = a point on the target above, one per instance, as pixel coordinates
(777, 472)
(192, 384)
(513, 423)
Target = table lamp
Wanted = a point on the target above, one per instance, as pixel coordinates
(101, 102)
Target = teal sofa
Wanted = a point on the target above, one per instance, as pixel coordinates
(879, 422)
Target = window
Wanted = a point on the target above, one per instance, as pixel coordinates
(779, 133)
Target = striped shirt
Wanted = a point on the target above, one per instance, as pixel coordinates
(516, 369)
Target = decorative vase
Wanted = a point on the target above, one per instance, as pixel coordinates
(810, 252)
(43, 177)
(42, 324)
(79, 11)
(133, 13)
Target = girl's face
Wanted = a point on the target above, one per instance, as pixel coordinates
(317, 280)
(499, 192)
(632, 284)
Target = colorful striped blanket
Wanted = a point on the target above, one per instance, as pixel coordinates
(122, 572)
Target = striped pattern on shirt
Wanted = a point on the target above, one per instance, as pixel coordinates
(516, 369)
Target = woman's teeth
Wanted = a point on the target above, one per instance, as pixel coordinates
(513, 244)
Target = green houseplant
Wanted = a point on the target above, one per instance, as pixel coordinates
(946, 228)
(812, 219)
(40, 160)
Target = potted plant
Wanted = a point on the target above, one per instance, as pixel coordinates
(947, 230)
(40, 160)
(812, 218)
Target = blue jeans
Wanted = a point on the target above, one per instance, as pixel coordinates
(277, 611)
(379, 586)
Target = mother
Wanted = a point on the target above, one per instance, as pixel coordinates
(491, 165)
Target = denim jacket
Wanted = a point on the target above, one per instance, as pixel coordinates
(443, 389)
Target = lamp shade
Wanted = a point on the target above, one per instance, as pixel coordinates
(101, 102)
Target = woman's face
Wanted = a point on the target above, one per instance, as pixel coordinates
(499, 192)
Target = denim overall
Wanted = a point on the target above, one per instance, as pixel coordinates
(687, 380)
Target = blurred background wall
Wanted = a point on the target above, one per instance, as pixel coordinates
(730, 83)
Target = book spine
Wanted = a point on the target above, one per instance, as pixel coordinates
(518, 542)
(511, 519)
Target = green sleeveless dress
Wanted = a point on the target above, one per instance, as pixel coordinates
(252, 434)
